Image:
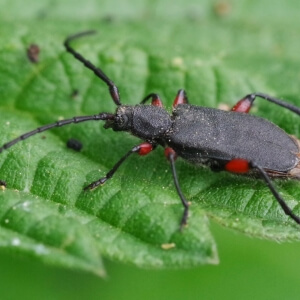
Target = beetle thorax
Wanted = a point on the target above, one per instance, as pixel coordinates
(147, 122)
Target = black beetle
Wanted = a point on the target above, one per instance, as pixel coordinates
(222, 140)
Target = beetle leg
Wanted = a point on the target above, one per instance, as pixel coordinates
(181, 98)
(243, 166)
(245, 104)
(171, 156)
(155, 100)
(141, 149)
(237, 165)
(279, 199)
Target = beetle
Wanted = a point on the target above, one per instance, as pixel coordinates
(232, 141)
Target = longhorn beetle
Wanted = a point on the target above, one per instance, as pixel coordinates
(233, 140)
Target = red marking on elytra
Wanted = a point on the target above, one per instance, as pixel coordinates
(237, 165)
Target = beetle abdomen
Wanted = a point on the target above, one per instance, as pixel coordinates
(200, 132)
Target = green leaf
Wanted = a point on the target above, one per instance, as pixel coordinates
(134, 217)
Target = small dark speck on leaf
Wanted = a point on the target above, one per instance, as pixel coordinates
(33, 52)
(74, 144)
(75, 93)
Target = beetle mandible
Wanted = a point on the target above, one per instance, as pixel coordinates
(232, 141)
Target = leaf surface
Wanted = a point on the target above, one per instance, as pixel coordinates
(134, 217)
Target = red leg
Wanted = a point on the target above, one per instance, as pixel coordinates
(181, 98)
(155, 100)
(237, 165)
(244, 104)
(142, 149)
(243, 166)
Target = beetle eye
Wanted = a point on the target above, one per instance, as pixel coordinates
(122, 121)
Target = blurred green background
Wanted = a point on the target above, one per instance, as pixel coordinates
(249, 268)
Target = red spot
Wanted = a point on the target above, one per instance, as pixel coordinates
(169, 151)
(156, 102)
(180, 98)
(145, 148)
(237, 166)
(243, 105)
